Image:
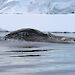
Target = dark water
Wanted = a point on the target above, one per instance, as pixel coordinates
(28, 58)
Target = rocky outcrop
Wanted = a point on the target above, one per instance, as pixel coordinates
(36, 36)
(28, 35)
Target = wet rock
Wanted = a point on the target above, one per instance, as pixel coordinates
(28, 35)
(34, 36)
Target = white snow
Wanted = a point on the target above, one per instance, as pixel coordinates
(38, 6)
(50, 7)
(44, 22)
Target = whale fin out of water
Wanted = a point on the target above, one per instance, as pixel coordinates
(35, 36)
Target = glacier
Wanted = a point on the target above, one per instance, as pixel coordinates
(52, 7)
(6, 5)
(38, 6)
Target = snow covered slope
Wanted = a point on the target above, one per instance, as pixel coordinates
(52, 7)
(38, 6)
(6, 5)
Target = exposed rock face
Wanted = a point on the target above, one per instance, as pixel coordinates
(28, 35)
(35, 36)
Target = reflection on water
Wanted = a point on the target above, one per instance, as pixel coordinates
(28, 50)
(26, 56)
(21, 51)
(36, 58)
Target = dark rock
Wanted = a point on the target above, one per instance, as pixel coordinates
(34, 36)
(28, 35)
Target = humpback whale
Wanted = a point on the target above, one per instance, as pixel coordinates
(37, 36)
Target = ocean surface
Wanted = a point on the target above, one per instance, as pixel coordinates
(33, 58)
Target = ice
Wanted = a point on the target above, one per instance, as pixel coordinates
(50, 7)
(38, 6)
